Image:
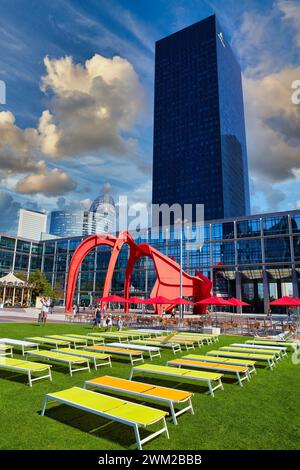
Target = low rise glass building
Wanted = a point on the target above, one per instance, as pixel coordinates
(254, 257)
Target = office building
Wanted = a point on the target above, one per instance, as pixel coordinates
(31, 224)
(199, 152)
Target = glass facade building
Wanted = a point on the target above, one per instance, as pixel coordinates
(254, 257)
(199, 153)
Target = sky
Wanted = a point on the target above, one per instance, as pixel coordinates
(79, 76)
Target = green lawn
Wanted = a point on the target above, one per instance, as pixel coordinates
(264, 414)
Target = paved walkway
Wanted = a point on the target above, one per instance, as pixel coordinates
(28, 315)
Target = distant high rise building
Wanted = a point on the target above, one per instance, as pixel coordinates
(100, 218)
(31, 224)
(200, 153)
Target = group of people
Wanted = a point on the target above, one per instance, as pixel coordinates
(101, 319)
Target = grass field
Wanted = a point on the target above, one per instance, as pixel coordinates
(264, 414)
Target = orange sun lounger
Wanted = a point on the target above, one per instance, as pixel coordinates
(144, 391)
(133, 354)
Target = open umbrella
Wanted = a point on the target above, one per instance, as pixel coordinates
(113, 298)
(238, 303)
(136, 300)
(286, 301)
(181, 301)
(158, 301)
(214, 300)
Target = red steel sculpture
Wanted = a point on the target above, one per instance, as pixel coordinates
(167, 270)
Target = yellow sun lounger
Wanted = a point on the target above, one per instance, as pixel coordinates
(91, 355)
(186, 343)
(281, 351)
(48, 341)
(208, 377)
(110, 336)
(241, 372)
(6, 350)
(208, 338)
(285, 344)
(272, 352)
(195, 340)
(76, 342)
(65, 359)
(133, 354)
(25, 367)
(145, 391)
(152, 342)
(114, 409)
(87, 338)
(240, 355)
(223, 360)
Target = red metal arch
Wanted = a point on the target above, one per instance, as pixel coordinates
(167, 270)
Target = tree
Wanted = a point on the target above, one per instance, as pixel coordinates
(41, 285)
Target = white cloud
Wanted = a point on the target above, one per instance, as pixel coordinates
(50, 183)
(291, 14)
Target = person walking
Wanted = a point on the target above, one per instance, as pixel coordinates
(120, 324)
(97, 320)
(109, 322)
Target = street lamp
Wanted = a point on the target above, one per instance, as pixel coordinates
(181, 222)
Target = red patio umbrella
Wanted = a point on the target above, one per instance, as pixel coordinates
(158, 301)
(286, 301)
(136, 300)
(238, 303)
(214, 300)
(180, 301)
(113, 298)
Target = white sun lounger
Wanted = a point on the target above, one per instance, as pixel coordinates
(20, 343)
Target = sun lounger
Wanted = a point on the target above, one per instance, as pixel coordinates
(209, 338)
(141, 333)
(240, 355)
(88, 338)
(76, 342)
(176, 347)
(195, 340)
(6, 350)
(186, 343)
(19, 343)
(241, 372)
(145, 391)
(66, 359)
(223, 360)
(48, 341)
(133, 354)
(114, 409)
(286, 344)
(25, 367)
(111, 336)
(91, 355)
(281, 350)
(151, 350)
(153, 331)
(208, 377)
(276, 354)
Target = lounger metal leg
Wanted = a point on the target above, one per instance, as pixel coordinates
(70, 369)
(239, 379)
(137, 437)
(210, 389)
(173, 413)
(131, 374)
(29, 379)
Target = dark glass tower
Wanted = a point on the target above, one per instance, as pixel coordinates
(200, 153)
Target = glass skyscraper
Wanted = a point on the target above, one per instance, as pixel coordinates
(200, 154)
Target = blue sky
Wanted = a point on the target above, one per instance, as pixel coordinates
(42, 164)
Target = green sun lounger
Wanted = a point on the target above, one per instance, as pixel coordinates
(286, 344)
(186, 343)
(66, 359)
(281, 350)
(241, 372)
(19, 343)
(195, 340)
(240, 355)
(196, 376)
(25, 367)
(276, 354)
(6, 350)
(87, 338)
(144, 391)
(91, 355)
(223, 360)
(176, 347)
(48, 341)
(114, 409)
(208, 338)
(76, 342)
(110, 336)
